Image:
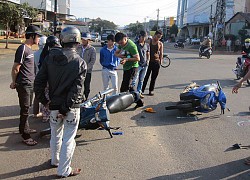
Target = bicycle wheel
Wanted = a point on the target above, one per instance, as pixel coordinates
(165, 62)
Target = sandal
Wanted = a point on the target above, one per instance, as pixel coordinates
(75, 172)
(30, 142)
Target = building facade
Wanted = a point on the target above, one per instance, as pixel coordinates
(194, 16)
(63, 6)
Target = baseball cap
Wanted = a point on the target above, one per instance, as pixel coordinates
(86, 36)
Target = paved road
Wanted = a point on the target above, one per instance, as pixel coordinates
(163, 145)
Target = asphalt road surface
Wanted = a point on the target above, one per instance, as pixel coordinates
(161, 145)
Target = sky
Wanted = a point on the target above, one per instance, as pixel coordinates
(123, 12)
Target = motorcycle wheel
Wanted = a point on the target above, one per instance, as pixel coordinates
(208, 56)
(184, 106)
(200, 55)
(171, 107)
(176, 46)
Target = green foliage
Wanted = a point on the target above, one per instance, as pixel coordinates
(174, 30)
(9, 14)
(29, 10)
(98, 25)
(135, 28)
(154, 28)
(243, 34)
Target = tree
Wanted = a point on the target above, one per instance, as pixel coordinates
(135, 28)
(9, 16)
(243, 34)
(173, 30)
(28, 11)
(12, 14)
(154, 28)
(98, 25)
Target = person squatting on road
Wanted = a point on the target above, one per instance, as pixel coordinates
(36, 104)
(156, 55)
(129, 55)
(23, 75)
(143, 49)
(88, 53)
(65, 71)
(109, 63)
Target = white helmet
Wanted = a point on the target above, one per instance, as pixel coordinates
(42, 41)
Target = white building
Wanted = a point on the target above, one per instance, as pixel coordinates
(193, 16)
(63, 6)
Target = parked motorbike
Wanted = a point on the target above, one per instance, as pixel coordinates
(95, 112)
(179, 44)
(202, 99)
(242, 66)
(207, 52)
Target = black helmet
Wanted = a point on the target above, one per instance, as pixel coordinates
(52, 41)
(33, 30)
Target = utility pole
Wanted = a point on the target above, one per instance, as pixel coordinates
(220, 16)
(157, 18)
(55, 17)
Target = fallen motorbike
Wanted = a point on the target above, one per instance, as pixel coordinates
(202, 99)
(95, 112)
(242, 66)
(207, 52)
(179, 44)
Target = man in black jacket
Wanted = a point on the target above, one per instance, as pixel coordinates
(65, 71)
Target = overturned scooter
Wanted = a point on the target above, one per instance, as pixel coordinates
(202, 99)
(95, 112)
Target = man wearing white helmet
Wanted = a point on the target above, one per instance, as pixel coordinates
(65, 71)
(41, 44)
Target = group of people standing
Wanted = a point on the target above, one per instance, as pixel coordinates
(140, 59)
(59, 74)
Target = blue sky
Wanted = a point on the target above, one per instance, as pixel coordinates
(124, 12)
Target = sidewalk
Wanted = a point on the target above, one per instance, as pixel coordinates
(195, 48)
(11, 48)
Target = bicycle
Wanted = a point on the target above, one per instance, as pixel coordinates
(166, 61)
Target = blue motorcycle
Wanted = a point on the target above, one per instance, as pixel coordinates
(95, 112)
(202, 99)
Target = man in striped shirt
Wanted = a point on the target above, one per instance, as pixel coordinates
(23, 75)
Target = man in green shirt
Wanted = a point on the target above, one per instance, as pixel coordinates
(129, 55)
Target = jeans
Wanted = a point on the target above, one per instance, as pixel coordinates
(87, 85)
(107, 75)
(25, 95)
(128, 76)
(62, 141)
(153, 68)
(141, 74)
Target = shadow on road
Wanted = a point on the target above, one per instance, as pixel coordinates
(164, 117)
(30, 170)
(7, 111)
(231, 170)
